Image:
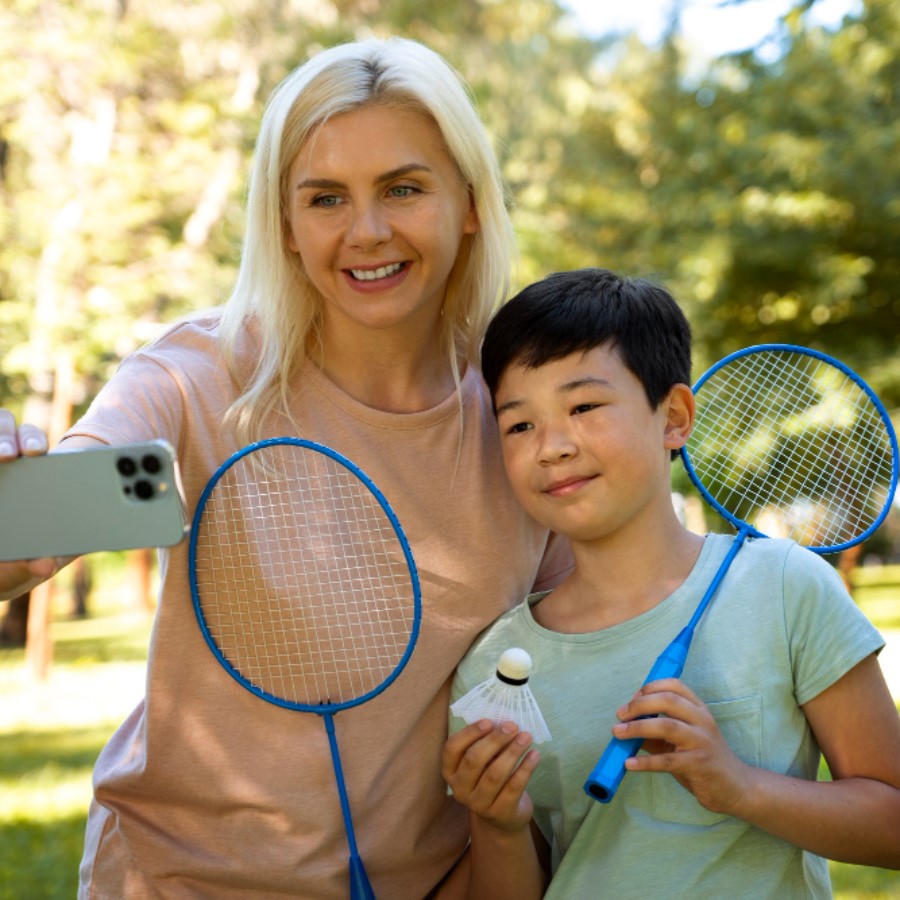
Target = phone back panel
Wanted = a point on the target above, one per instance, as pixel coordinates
(80, 501)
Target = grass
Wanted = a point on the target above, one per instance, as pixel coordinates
(51, 733)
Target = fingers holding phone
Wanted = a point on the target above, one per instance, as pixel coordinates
(54, 507)
(24, 440)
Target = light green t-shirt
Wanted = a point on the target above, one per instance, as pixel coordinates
(780, 630)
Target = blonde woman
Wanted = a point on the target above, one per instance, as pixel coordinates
(377, 244)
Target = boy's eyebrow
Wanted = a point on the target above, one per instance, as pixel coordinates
(584, 382)
(330, 183)
(513, 404)
(566, 388)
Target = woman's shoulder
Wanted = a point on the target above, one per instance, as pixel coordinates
(497, 636)
(197, 331)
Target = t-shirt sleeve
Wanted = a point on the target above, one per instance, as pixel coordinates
(142, 401)
(827, 632)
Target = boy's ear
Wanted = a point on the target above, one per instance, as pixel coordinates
(680, 409)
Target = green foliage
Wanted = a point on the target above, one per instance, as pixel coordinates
(765, 190)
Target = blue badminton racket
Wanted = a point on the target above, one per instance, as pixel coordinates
(787, 442)
(304, 586)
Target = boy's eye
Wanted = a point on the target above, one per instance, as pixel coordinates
(518, 428)
(584, 407)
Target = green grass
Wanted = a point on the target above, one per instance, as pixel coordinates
(50, 735)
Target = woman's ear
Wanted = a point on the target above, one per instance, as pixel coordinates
(680, 409)
(472, 223)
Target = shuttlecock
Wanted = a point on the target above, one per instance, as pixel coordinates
(505, 697)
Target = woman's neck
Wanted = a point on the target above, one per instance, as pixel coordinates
(389, 372)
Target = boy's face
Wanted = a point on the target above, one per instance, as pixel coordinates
(585, 453)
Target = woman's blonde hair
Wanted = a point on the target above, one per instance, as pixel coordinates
(272, 286)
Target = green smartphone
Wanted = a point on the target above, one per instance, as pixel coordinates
(82, 501)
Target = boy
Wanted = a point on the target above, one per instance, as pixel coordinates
(589, 377)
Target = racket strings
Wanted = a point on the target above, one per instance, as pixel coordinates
(793, 439)
(303, 583)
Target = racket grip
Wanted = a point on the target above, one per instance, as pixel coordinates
(607, 775)
(360, 889)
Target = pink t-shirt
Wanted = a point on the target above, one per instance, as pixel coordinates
(208, 791)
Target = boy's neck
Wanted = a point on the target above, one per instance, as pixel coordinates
(620, 579)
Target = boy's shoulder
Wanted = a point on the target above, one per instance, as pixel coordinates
(773, 556)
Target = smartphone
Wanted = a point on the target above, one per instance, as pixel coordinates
(81, 501)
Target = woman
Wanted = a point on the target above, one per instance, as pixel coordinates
(377, 244)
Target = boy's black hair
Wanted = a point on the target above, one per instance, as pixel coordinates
(574, 312)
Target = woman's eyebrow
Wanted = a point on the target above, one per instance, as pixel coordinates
(331, 183)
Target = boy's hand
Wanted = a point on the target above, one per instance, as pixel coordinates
(482, 765)
(685, 741)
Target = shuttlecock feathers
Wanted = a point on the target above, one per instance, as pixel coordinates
(506, 697)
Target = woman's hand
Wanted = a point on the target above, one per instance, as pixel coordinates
(26, 440)
(20, 576)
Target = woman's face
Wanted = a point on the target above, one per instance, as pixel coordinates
(377, 211)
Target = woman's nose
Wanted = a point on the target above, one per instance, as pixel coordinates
(369, 227)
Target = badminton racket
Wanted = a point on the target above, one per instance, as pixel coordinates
(304, 587)
(787, 442)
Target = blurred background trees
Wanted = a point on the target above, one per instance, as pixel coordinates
(766, 192)
(763, 188)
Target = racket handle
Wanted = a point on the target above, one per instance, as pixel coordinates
(360, 889)
(670, 663)
(607, 775)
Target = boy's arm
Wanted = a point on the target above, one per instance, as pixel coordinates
(488, 774)
(855, 818)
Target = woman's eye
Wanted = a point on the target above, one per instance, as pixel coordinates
(326, 200)
(401, 190)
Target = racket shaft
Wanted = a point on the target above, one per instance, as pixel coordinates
(607, 775)
(360, 889)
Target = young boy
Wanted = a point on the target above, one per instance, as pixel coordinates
(589, 374)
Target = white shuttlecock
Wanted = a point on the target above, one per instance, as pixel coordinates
(505, 697)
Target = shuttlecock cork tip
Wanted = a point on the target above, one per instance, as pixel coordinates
(514, 664)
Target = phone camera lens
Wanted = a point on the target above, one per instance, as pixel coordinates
(144, 489)
(151, 464)
(126, 466)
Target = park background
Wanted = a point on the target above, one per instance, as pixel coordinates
(762, 185)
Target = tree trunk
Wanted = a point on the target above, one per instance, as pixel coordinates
(14, 626)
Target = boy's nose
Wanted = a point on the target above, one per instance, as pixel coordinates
(557, 446)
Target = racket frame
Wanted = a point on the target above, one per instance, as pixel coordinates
(324, 707)
(360, 888)
(748, 529)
